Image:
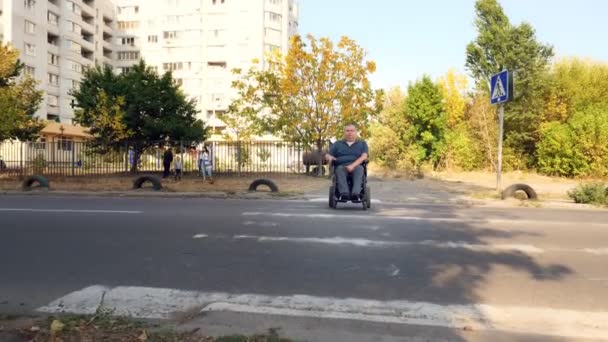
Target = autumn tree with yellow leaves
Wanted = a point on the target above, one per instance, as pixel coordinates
(308, 95)
(19, 98)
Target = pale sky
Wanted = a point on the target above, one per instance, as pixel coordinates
(408, 38)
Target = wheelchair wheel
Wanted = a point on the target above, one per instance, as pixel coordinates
(332, 197)
(368, 197)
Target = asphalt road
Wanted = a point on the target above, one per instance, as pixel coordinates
(456, 269)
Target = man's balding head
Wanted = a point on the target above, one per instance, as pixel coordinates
(350, 132)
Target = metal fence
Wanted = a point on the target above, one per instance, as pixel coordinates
(68, 158)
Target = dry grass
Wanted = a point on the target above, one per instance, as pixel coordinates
(547, 187)
(286, 184)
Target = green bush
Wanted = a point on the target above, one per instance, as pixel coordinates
(39, 163)
(385, 146)
(458, 151)
(592, 193)
(576, 148)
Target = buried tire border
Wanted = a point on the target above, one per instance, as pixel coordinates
(263, 181)
(31, 180)
(528, 190)
(156, 183)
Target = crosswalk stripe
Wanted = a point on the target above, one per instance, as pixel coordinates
(159, 303)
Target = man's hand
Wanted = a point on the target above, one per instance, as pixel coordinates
(330, 158)
(350, 168)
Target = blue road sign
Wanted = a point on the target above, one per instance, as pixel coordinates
(500, 88)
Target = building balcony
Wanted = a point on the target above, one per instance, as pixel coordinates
(87, 53)
(276, 25)
(108, 45)
(54, 7)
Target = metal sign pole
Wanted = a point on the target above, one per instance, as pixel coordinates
(501, 117)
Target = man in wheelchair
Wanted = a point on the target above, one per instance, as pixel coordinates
(349, 156)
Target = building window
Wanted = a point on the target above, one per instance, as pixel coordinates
(179, 82)
(273, 17)
(124, 70)
(64, 144)
(53, 59)
(172, 34)
(216, 65)
(74, 85)
(30, 49)
(73, 46)
(53, 100)
(173, 66)
(75, 28)
(275, 2)
(153, 39)
(127, 41)
(30, 70)
(128, 25)
(271, 48)
(75, 66)
(52, 18)
(40, 145)
(30, 27)
(73, 7)
(29, 4)
(53, 79)
(272, 34)
(128, 55)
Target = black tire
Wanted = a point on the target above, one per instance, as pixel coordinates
(156, 183)
(332, 197)
(510, 191)
(29, 182)
(368, 197)
(256, 183)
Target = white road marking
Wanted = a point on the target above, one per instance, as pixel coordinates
(352, 217)
(376, 217)
(359, 242)
(596, 251)
(393, 270)
(200, 236)
(158, 303)
(85, 211)
(261, 224)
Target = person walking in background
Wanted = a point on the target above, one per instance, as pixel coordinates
(204, 164)
(178, 166)
(167, 160)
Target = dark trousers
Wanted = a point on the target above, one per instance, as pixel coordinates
(178, 174)
(167, 171)
(342, 178)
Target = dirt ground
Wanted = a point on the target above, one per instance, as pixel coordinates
(287, 184)
(484, 183)
(105, 327)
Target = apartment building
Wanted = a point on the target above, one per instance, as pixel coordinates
(201, 41)
(58, 40)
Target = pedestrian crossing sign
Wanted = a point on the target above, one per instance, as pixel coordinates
(501, 87)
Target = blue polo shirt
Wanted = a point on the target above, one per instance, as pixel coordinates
(347, 154)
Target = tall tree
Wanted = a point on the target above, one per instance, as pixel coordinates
(454, 87)
(500, 45)
(426, 117)
(19, 99)
(308, 95)
(138, 106)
